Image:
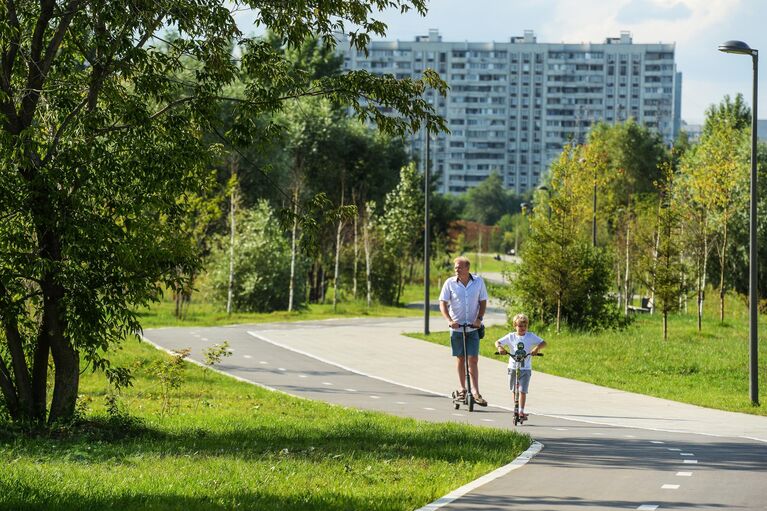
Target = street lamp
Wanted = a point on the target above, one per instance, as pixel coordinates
(426, 241)
(741, 48)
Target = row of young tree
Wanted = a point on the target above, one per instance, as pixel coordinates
(625, 215)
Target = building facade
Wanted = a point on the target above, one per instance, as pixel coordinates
(512, 106)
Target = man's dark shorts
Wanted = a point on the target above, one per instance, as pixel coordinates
(472, 343)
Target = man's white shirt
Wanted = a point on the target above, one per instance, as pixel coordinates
(463, 301)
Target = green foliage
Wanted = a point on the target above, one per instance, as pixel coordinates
(487, 202)
(561, 277)
(103, 140)
(168, 372)
(261, 264)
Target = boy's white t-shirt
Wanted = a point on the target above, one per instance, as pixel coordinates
(510, 341)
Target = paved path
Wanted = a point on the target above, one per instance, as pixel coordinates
(604, 449)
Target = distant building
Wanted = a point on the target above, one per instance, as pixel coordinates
(512, 106)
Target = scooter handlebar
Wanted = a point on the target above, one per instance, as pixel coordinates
(529, 354)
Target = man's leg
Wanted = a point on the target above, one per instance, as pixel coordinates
(462, 372)
(474, 372)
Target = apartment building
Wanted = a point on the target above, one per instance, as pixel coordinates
(512, 106)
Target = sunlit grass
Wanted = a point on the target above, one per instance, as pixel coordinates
(229, 445)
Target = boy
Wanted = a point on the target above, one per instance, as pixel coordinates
(532, 345)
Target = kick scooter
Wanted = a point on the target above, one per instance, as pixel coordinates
(468, 399)
(519, 356)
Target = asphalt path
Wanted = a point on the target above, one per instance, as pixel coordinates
(592, 458)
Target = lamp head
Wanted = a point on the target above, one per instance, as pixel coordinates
(738, 47)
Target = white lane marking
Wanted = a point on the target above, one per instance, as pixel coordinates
(598, 434)
(375, 397)
(458, 414)
(488, 420)
(302, 376)
(647, 507)
(326, 383)
(204, 339)
(690, 461)
(401, 403)
(281, 369)
(523, 458)
(656, 442)
(430, 409)
(670, 487)
(263, 362)
(560, 429)
(350, 390)
(673, 449)
(686, 454)
(629, 436)
(247, 356)
(684, 474)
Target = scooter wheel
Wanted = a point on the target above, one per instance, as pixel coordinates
(456, 405)
(471, 404)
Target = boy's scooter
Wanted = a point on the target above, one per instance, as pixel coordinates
(468, 399)
(519, 356)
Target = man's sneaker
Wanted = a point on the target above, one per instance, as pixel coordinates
(480, 400)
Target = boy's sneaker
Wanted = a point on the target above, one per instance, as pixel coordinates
(459, 394)
(478, 399)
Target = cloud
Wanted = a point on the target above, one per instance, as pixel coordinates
(638, 11)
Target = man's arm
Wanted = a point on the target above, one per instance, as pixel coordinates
(446, 314)
(481, 314)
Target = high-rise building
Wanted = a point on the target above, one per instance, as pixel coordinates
(512, 106)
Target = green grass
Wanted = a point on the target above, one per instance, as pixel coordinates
(231, 445)
(200, 313)
(709, 368)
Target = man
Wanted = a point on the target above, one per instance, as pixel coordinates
(463, 301)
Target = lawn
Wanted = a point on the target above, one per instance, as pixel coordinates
(228, 445)
(709, 368)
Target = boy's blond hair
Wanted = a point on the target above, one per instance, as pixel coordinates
(521, 318)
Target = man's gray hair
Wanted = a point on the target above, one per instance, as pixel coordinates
(462, 260)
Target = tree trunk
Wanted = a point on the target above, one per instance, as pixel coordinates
(368, 267)
(66, 360)
(232, 228)
(629, 298)
(665, 324)
(293, 245)
(356, 257)
(336, 270)
(722, 260)
(559, 309)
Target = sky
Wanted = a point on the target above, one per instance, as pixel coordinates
(697, 27)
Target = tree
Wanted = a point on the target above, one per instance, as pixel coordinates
(101, 136)
(487, 202)
(402, 224)
(562, 277)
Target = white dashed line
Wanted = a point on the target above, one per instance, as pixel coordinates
(302, 376)
(629, 436)
(281, 369)
(488, 420)
(204, 339)
(598, 434)
(673, 449)
(670, 487)
(375, 397)
(430, 409)
(686, 454)
(326, 383)
(247, 356)
(560, 429)
(647, 507)
(690, 461)
(401, 403)
(684, 474)
(656, 442)
(350, 390)
(263, 362)
(458, 415)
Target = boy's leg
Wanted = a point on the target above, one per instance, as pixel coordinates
(524, 386)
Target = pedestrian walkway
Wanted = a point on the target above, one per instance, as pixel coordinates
(381, 350)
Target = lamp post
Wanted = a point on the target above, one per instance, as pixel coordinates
(426, 252)
(741, 48)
